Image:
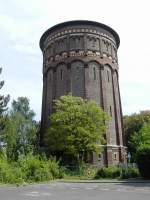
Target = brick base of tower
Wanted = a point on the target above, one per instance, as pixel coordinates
(112, 155)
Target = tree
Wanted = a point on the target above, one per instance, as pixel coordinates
(137, 132)
(3, 106)
(143, 160)
(77, 127)
(142, 137)
(132, 128)
(20, 132)
(22, 106)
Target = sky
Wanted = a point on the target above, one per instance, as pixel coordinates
(22, 22)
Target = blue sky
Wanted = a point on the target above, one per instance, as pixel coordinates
(22, 22)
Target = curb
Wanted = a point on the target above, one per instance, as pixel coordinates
(104, 181)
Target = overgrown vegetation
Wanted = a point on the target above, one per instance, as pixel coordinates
(82, 172)
(28, 169)
(137, 131)
(20, 133)
(143, 161)
(3, 108)
(117, 172)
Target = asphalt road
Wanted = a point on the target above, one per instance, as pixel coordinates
(78, 191)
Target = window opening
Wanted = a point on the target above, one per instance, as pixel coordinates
(115, 156)
(110, 111)
(108, 76)
(94, 71)
(61, 74)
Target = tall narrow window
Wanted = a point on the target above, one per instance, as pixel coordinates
(108, 76)
(99, 157)
(110, 111)
(61, 74)
(94, 71)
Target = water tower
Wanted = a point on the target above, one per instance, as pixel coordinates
(80, 57)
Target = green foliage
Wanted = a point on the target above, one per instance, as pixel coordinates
(117, 172)
(143, 160)
(145, 134)
(129, 172)
(142, 137)
(3, 100)
(77, 126)
(9, 173)
(22, 106)
(133, 133)
(80, 172)
(3, 108)
(53, 166)
(29, 169)
(20, 133)
(110, 172)
(34, 169)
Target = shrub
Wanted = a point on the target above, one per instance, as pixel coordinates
(55, 169)
(38, 168)
(74, 171)
(29, 169)
(82, 171)
(117, 172)
(129, 172)
(143, 161)
(110, 172)
(9, 173)
(5, 172)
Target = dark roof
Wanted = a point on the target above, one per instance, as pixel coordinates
(79, 22)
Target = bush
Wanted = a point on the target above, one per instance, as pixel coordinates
(34, 169)
(5, 172)
(110, 172)
(9, 173)
(38, 169)
(117, 172)
(29, 169)
(55, 169)
(129, 172)
(143, 161)
(80, 172)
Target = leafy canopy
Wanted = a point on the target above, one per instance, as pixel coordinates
(22, 106)
(20, 132)
(3, 107)
(136, 131)
(142, 137)
(77, 126)
(143, 160)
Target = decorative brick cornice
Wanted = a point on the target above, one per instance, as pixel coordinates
(75, 32)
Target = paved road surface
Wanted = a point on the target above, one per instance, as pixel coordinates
(78, 191)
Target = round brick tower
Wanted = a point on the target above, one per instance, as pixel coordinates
(80, 57)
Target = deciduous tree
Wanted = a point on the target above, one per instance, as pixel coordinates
(136, 130)
(77, 126)
(3, 105)
(21, 129)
